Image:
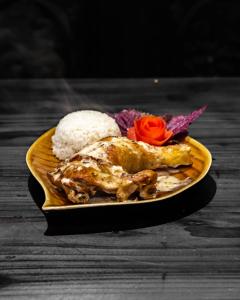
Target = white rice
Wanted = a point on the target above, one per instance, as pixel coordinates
(81, 128)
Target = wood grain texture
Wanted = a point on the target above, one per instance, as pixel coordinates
(195, 256)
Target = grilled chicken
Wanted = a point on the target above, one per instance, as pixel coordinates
(137, 156)
(120, 167)
(81, 178)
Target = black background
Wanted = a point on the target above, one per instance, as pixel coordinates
(78, 39)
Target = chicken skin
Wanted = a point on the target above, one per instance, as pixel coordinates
(135, 156)
(120, 167)
(82, 177)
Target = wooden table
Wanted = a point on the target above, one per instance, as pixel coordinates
(192, 253)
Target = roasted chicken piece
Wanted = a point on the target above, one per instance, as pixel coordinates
(81, 177)
(121, 167)
(137, 156)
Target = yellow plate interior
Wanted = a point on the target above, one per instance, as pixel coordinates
(40, 161)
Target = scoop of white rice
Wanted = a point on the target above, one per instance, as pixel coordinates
(81, 128)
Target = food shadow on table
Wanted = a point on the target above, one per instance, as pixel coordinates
(124, 217)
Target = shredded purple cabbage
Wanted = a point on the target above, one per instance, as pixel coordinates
(125, 119)
(180, 124)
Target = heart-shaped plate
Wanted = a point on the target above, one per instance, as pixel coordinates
(41, 160)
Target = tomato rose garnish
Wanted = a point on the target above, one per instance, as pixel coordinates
(150, 129)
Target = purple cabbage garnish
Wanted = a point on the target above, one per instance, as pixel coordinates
(125, 119)
(179, 124)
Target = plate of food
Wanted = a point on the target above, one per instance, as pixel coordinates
(93, 159)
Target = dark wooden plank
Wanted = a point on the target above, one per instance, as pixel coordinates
(194, 257)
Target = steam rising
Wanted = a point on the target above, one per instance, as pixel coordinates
(56, 96)
(72, 99)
